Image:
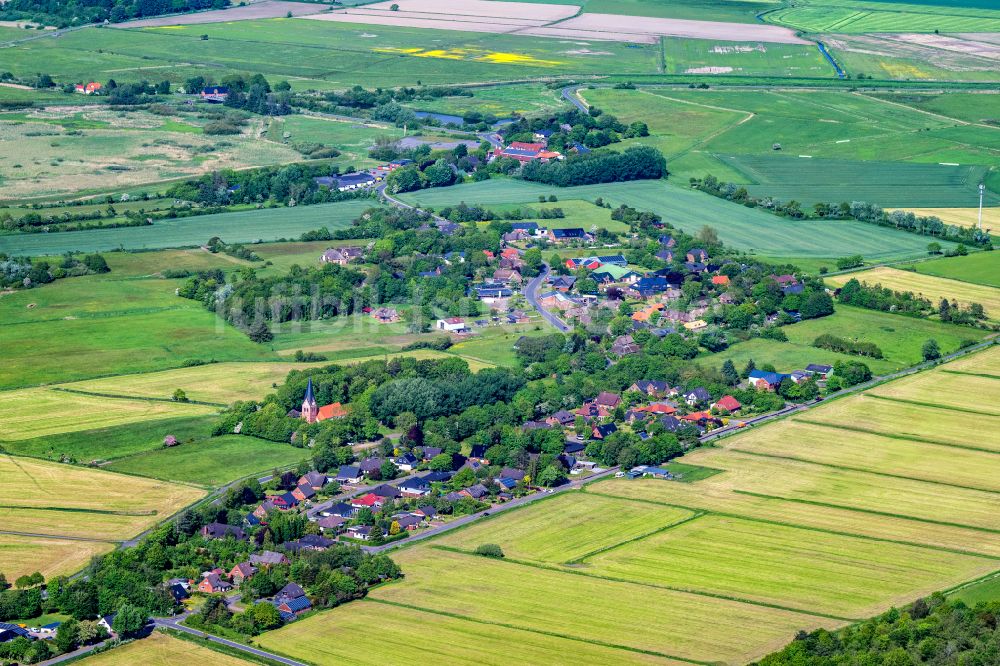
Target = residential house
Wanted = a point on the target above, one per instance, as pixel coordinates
(342, 256)
(221, 531)
(556, 300)
(477, 491)
(762, 380)
(385, 315)
(607, 401)
(406, 462)
(285, 501)
(652, 388)
(667, 241)
(561, 418)
(370, 501)
(315, 480)
(608, 273)
(573, 448)
(88, 88)
(303, 493)
(624, 345)
(571, 234)
(427, 512)
(664, 407)
(331, 524)
(386, 491)
(311, 542)
(215, 94)
(106, 621)
(362, 532)
(603, 431)
(728, 403)
(341, 509)
(267, 558)
(697, 255)
(720, 280)
(415, 487)
(370, 466)
(697, 396)
(241, 572)
(348, 474)
(429, 452)
(665, 255)
(562, 283)
(822, 370)
(407, 522)
(507, 276)
(214, 584)
(696, 325)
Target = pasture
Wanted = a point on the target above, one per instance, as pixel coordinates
(686, 625)
(856, 16)
(334, 635)
(969, 107)
(201, 462)
(267, 224)
(22, 555)
(786, 356)
(50, 498)
(930, 286)
(567, 528)
(67, 412)
(501, 101)
(750, 58)
(738, 227)
(712, 554)
(162, 650)
(978, 268)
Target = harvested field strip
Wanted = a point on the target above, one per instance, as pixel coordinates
(118, 396)
(936, 405)
(22, 555)
(931, 287)
(566, 529)
(640, 537)
(533, 11)
(536, 596)
(972, 374)
(871, 511)
(333, 636)
(792, 567)
(107, 512)
(160, 649)
(724, 501)
(909, 438)
(984, 361)
(106, 527)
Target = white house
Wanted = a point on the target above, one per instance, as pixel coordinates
(452, 325)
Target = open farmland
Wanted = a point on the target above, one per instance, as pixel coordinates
(23, 555)
(687, 626)
(163, 650)
(858, 16)
(567, 528)
(750, 58)
(915, 57)
(257, 10)
(68, 412)
(948, 390)
(333, 636)
(787, 356)
(929, 286)
(978, 268)
(65, 150)
(738, 227)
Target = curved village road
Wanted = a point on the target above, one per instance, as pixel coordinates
(175, 624)
(531, 295)
(569, 94)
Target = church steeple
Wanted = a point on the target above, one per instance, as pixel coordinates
(309, 409)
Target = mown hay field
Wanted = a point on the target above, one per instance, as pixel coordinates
(219, 383)
(683, 625)
(22, 555)
(71, 495)
(567, 528)
(787, 566)
(862, 17)
(29, 413)
(929, 286)
(163, 650)
(334, 636)
(964, 393)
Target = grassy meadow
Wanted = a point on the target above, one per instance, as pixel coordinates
(858, 16)
(978, 268)
(708, 56)
(930, 286)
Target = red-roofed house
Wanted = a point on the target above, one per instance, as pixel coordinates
(88, 88)
(332, 411)
(728, 403)
(720, 279)
(371, 500)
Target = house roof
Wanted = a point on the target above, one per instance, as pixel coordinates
(297, 604)
(332, 411)
(773, 378)
(606, 429)
(607, 399)
(822, 369)
(348, 472)
(729, 403)
(290, 591)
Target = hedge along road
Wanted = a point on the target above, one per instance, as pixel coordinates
(265, 224)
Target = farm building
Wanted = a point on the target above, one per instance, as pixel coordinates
(215, 94)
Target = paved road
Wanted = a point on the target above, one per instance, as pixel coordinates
(175, 623)
(354, 492)
(531, 295)
(569, 94)
(507, 506)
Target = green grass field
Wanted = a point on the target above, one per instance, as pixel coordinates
(979, 268)
(737, 226)
(786, 356)
(567, 528)
(501, 101)
(334, 635)
(707, 56)
(712, 553)
(970, 107)
(984, 590)
(242, 227)
(211, 462)
(736, 11)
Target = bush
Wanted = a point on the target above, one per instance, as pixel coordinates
(490, 550)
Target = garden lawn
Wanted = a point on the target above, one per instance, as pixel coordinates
(240, 227)
(935, 463)
(566, 528)
(900, 338)
(113, 441)
(22, 555)
(929, 286)
(162, 650)
(787, 566)
(978, 268)
(212, 462)
(737, 226)
(70, 496)
(333, 636)
(21, 410)
(684, 625)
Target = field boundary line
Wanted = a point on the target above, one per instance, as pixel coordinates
(141, 398)
(61, 537)
(874, 512)
(811, 528)
(907, 438)
(553, 634)
(68, 509)
(677, 523)
(971, 374)
(940, 116)
(922, 403)
(860, 470)
(970, 583)
(680, 590)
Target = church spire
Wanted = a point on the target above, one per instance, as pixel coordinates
(309, 409)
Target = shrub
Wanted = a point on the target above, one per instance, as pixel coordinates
(490, 550)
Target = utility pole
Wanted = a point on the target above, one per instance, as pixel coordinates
(982, 188)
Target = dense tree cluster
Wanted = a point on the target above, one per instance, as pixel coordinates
(845, 346)
(930, 631)
(877, 297)
(20, 272)
(636, 163)
(571, 127)
(293, 184)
